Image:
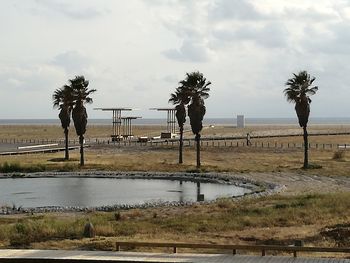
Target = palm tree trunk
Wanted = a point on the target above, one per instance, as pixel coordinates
(198, 140)
(306, 147)
(181, 143)
(81, 141)
(66, 154)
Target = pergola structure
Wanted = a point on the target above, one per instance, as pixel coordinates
(171, 118)
(127, 127)
(121, 126)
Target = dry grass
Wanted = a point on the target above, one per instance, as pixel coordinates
(104, 131)
(223, 159)
(39, 132)
(267, 220)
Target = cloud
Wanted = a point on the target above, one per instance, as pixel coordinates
(234, 9)
(68, 9)
(171, 79)
(272, 35)
(30, 79)
(190, 51)
(73, 62)
(333, 39)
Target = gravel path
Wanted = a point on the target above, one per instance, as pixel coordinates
(301, 183)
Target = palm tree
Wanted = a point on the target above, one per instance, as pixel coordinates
(180, 98)
(79, 114)
(63, 100)
(198, 88)
(298, 90)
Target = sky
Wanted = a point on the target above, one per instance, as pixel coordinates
(135, 52)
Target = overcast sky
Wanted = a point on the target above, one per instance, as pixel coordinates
(135, 52)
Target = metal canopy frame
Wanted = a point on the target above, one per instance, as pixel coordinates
(121, 126)
(127, 126)
(171, 118)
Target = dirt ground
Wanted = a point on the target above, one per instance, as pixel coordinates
(303, 183)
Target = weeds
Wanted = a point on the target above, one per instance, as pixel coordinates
(339, 155)
(211, 220)
(17, 167)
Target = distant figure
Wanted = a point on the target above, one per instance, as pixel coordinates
(89, 230)
(249, 143)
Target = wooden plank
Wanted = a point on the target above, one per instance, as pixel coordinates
(238, 247)
(58, 256)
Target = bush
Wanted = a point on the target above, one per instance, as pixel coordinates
(16, 167)
(21, 236)
(117, 216)
(339, 155)
(10, 167)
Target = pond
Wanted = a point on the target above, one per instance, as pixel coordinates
(95, 192)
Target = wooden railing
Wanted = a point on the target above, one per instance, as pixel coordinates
(262, 248)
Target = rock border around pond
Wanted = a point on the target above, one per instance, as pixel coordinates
(257, 188)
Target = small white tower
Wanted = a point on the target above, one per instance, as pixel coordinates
(240, 121)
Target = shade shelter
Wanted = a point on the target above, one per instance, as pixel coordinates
(121, 126)
(171, 121)
(127, 127)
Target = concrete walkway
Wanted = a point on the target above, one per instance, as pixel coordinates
(24, 255)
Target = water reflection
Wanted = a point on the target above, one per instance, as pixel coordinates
(200, 197)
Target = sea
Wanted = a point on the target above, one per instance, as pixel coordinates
(206, 121)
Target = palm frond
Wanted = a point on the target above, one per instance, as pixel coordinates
(299, 86)
(311, 91)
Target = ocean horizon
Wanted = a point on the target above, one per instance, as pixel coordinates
(206, 121)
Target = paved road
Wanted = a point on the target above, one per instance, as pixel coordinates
(24, 148)
(12, 255)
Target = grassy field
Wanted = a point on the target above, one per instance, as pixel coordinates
(217, 159)
(266, 220)
(318, 219)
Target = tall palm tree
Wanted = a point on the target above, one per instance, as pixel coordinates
(81, 96)
(198, 88)
(63, 100)
(180, 98)
(298, 90)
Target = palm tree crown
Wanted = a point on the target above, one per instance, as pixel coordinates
(300, 86)
(199, 89)
(63, 100)
(81, 96)
(197, 85)
(180, 98)
(298, 90)
(63, 97)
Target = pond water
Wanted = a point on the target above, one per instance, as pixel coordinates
(93, 192)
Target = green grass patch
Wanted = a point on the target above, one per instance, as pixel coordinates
(17, 167)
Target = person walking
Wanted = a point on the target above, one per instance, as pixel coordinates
(249, 143)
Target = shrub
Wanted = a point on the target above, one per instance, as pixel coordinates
(10, 167)
(339, 155)
(117, 216)
(16, 167)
